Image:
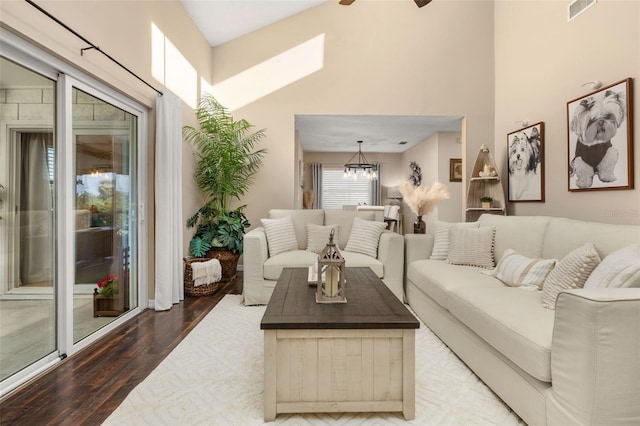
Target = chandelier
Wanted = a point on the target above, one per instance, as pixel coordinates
(362, 168)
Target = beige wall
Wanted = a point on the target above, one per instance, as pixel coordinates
(432, 155)
(541, 62)
(379, 58)
(123, 30)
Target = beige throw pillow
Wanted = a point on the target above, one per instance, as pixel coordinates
(281, 236)
(440, 249)
(619, 269)
(365, 236)
(570, 272)
(472, 246)
(516, 270)
(318, 237)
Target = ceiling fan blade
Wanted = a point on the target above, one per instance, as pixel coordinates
(421, 3)
(346, 2)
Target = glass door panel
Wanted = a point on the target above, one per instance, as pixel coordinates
(104, 150)
(27, 184)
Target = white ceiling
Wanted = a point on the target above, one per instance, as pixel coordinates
(221, 21)
(378, 133)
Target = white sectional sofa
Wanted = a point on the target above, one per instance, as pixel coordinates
(261, 270)
(577, 364)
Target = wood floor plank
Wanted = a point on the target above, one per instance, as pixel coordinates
(85, 388)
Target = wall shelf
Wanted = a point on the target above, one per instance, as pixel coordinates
(484, 186)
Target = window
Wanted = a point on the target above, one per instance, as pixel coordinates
(338, 190)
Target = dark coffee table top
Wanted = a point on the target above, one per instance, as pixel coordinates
(370, 304)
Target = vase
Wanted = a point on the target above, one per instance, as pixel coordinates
(419, 226)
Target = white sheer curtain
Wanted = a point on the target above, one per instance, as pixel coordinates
(36, 211)
(168, 195)
(316, 182)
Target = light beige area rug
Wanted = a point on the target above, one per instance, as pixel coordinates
(215, 377)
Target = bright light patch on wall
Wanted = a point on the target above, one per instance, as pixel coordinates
(271, 75)
(172, 69)
(157, 53)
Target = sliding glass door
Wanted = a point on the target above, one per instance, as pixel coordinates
(104, 146)
(69, 196)
(27, 232)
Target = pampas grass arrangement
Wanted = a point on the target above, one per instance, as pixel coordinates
(423, 199)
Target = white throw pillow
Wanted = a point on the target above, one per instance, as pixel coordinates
(472, 246)
(440, 249)
(516, 270)
(570, 272)
(318, 237)
(620, 269)
(365, 236)
(281, 236)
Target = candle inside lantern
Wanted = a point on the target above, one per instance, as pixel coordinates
(487, 169)
(331, 278)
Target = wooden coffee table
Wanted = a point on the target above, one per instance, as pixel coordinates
(357, 356)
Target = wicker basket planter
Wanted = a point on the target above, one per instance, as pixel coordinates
(228, 261)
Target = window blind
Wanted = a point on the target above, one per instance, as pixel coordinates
(338, 191)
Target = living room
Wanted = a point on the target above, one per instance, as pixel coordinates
(494, 63)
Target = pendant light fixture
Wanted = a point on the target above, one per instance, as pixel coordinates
(361, 168)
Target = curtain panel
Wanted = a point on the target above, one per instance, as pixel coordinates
(316, 177)
(169, 287)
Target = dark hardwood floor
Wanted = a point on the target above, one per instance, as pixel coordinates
(85, 388)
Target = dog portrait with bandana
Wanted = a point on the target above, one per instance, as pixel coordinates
(599, 133)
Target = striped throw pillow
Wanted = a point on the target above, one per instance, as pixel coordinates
(516, 270)
(364, 237)
(472, 246)
(281, 236)
(440, 249)
(572, 271)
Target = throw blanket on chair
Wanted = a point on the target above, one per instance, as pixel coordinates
(207, 272)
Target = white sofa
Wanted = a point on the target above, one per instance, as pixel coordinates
(261, 271)
(577, 364)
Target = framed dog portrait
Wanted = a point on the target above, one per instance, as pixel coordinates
(600, 139)
(525, 150)
(455, 170)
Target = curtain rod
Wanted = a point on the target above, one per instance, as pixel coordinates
(92, 46)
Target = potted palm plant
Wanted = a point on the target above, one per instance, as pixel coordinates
(227, 160)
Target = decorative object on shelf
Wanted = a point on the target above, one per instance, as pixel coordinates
(227, 163)
(416, 174)
(600, 139)
(526, 163)
(362, 168)
(422, 200)
(455, 170)
(486, 202)
(331, 274)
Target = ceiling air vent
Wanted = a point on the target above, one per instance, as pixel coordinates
(576, 7)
